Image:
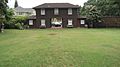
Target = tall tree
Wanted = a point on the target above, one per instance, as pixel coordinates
(16, 4)
(3, 12)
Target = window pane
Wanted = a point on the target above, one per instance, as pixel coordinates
(69, 11)
(30, 22)
(69, 21)
(42, 11)
(56, 11)
(82, 21)
(42, 22)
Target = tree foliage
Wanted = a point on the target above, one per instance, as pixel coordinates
(17, 22)
(3, 13)
(106, 7)
(3, 9)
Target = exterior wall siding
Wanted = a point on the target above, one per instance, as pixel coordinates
(63, 13)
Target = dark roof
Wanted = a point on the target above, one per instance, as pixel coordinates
(56, 5)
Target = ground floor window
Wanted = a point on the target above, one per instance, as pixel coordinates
(43, 22)
(82, 21)
(70, 22)
(30, 22)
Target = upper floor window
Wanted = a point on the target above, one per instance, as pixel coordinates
(69, 11)
(42, 11)
(56, 11)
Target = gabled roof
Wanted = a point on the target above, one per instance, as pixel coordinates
(20, 9)
(56, 5)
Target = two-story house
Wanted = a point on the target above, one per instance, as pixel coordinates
(56, 15)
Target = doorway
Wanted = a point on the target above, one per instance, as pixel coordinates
(56, 22)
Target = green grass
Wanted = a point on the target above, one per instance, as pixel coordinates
(60, 48)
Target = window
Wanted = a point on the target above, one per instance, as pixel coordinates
(42, 11)
(70, 21)
(56, 11)
(30, 22)
(20, 13)
(42, 22)
(69, 11)
(82, 21)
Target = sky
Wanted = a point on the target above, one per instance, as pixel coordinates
(33, 3)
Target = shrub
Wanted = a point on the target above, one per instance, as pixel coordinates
(16, 22)
(19, 26)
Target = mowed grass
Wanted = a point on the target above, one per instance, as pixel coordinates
(60, 48)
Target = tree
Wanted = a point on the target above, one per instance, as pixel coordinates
(3, 12)
(16, 4)
(3, 9)
(106, 7)
(93, 15)
(95, 9)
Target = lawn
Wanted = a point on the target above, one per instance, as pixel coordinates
(60, 48)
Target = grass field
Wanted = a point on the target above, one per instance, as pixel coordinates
(60, 48)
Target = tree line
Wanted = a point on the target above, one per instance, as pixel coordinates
(7, 18)
(94, 10)
(105, 7)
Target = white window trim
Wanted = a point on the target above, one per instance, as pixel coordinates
(30, 22)
(42, 11)
(70, 11)
(43, 22)
(82, 22)
(56, 11)
(70, 22)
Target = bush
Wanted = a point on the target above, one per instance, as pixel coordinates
(16, 22)
(26, 26)
(19, 26)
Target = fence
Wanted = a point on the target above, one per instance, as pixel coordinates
(111, 21)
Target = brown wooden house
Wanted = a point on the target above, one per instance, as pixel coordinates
(62, 15)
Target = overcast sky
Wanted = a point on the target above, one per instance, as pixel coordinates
(33, 3)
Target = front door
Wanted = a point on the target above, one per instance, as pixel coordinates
(56, 22)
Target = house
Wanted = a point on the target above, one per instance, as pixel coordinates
(20, 11)
(54, 15)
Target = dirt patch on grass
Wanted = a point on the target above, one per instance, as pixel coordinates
(52, 34)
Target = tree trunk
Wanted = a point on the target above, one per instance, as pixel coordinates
(0, 27)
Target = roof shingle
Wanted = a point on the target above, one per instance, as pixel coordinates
(56, 5)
